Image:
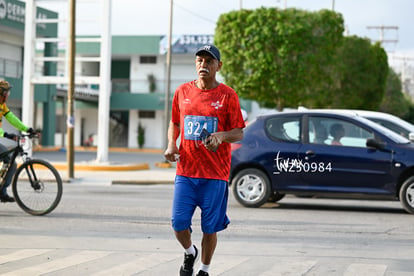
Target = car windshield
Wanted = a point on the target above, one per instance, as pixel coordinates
(390, 134)
(395, 124)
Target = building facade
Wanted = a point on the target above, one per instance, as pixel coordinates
(12, 17)
(138, 78)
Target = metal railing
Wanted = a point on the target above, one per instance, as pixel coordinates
(141, 85)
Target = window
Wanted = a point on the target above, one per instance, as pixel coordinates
(146, 114)
(330, 131)
(284, 128)
(148, 59)
(10, 68)
(60, 123)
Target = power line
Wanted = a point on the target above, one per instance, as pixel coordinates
(382, 30)
(195, 14)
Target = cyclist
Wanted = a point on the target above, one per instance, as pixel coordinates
(14, 121)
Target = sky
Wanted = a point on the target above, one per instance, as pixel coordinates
(151, 17)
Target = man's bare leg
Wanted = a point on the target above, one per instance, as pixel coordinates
(184, 238)
(208, 245)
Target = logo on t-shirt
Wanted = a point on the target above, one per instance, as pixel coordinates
(216, 105)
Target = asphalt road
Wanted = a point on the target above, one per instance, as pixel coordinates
(125, 230)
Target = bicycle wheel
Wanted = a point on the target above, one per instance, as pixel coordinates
(37, 187)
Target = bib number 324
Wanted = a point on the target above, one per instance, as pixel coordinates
(193, 125)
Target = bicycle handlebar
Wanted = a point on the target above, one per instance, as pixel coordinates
(16, 137)
(30, 135)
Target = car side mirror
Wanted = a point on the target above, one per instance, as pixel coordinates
(372, 143)
(411, 136)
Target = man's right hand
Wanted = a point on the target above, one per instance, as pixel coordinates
(171, 154)
(10, 136)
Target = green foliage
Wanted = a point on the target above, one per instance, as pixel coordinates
(141, 136)
(410, 114)
(152, 86)
(293, 57)
(279, 57)
(363, 70)
(394, 100)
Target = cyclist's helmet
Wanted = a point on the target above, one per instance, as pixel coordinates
(4, 87)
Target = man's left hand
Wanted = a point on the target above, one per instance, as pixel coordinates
(213, 142)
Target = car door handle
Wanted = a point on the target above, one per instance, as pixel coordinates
(310, 153)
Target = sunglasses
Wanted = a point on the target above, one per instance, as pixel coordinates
(4, 90)
(4, 93)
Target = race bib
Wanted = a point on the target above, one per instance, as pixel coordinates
(193, 125)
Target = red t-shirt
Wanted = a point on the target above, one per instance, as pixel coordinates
(217, 109)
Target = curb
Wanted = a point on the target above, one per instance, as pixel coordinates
(103, 167)
(94, 149)
(141, 182)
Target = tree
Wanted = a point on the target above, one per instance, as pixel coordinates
(279, 57)
(394, 100)
(141, 136)
(363, 70)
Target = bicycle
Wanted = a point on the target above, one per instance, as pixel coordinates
(37, 185)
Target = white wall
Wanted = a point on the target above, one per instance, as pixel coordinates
(90, 126)
(154, 133)
(139, 74)
(91, 122)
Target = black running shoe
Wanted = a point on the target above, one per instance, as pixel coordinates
(6, 198)
(189, 260)
(202, 273)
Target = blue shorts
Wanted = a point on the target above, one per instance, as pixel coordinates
(210, 195)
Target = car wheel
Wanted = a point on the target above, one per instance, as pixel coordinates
(407, 195)
(251, 187)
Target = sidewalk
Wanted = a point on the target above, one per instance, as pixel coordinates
(125, 166)
(112, 177)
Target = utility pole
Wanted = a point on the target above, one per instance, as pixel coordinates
(382, 30)
(71, 88)
(168, 84)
